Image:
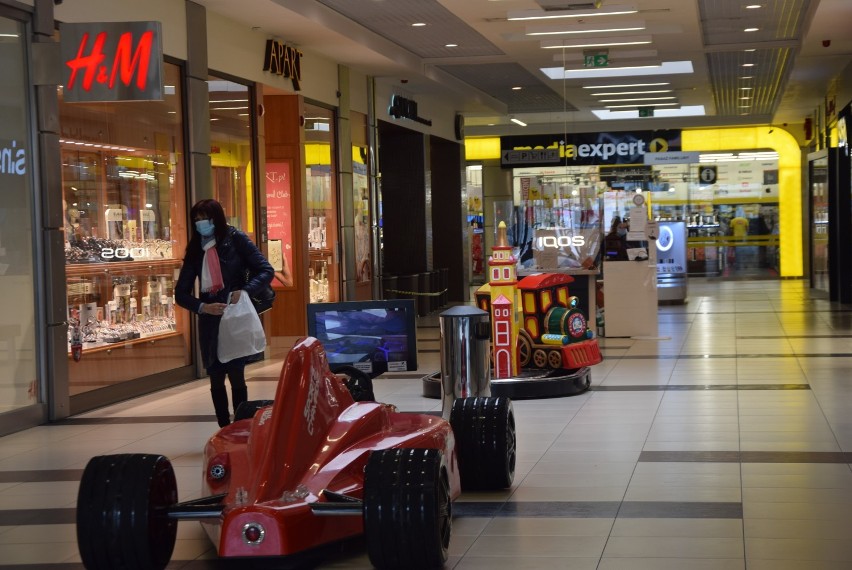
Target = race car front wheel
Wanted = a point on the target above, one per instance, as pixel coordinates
(407, 508)
(485, 442)
(121, 521)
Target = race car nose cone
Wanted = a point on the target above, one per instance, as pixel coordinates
(253, 533)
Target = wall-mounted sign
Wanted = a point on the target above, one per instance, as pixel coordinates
(285, 61)
(586, 148)
(402, 108)
(112, 61)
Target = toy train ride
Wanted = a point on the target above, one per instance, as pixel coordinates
(553, 331)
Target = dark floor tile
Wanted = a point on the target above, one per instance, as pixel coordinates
(690, 456)
(675, 510)
(563, 509)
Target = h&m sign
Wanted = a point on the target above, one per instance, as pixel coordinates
(112, 61)
(284, 60)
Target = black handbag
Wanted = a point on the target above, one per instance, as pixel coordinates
(261, 302)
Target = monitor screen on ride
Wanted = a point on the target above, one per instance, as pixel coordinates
(373, 336)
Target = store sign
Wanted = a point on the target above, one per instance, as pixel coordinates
(13, 160)
(558, 242)
(402, 108)
(285, 61)
(130, 253)
(112, 61)
(586, 148)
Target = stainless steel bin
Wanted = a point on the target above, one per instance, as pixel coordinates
(465, 355)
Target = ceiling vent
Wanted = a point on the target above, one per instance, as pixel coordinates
(566, 5)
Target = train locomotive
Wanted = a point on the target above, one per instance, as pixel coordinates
(553, 331)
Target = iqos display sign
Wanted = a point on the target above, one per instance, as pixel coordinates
(558, 242)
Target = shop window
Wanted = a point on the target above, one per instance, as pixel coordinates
(321, 198)
(124, 200)
(19, 374)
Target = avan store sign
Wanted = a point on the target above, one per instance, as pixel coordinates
(112, 61)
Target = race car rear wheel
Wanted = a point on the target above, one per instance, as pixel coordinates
(407, 508)
(485, 442)
(120, 518)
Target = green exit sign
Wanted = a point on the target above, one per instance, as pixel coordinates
(598, 60)
(646, 111)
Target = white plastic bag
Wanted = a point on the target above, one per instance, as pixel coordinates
(240, 331)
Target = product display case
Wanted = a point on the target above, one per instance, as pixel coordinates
(121, 265)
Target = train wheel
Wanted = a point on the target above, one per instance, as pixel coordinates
(554, 359)
(524, 349)
(539, 358)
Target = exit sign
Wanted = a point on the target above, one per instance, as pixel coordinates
(646, 111)
(597, 60)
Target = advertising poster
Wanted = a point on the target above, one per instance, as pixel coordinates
(278, 216)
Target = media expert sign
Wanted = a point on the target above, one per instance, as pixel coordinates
(585, 148)
(112, 61)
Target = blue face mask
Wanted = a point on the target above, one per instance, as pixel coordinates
(205, 227)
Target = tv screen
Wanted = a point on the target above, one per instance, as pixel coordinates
(373, 336)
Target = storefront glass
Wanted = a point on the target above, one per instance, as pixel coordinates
(231, 151)
(124, 196)
(730, 204)
(819, 223)
(19, 385)
(321, 193)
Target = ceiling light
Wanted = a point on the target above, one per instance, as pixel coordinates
(615, 43)
(629, 92)
(750, 49)
(665, 68)
(542, 15)
(452, 45)
(518, 121)
(685, 111)
(746, 88)
(753, 6)
(746, 77)
(633, 106)
(624, 85)
(517, 88)
(751, 29)
(745, 98)
(748, 65)
(418, 24)
(586, 31)
(637, 99)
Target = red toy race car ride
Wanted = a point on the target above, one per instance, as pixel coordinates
(278, 481)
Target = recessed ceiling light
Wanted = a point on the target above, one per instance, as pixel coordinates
(746, 88)
(517, 88)
(750, 49)
(611, 93)
(637, 99)
(452, 45)
(686, 111)
(633, 106)
(751, 29)
(606, 44)
(518, 122)
(624, 85)
(753, 6)
(594, 31)
(745, 98)
(665, 68)
(418, 24)
(746, 77)
(541, 15)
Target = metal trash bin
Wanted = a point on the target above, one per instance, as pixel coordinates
(465, 355)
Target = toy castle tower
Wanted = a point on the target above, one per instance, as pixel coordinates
(504, 324)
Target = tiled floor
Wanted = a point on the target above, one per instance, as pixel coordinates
(725, 444)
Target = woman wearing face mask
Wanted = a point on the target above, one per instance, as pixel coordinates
(220, 256)
(615, 242)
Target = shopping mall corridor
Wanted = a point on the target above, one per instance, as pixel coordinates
(725, 443)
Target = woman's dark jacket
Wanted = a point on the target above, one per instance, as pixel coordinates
(237, 255)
